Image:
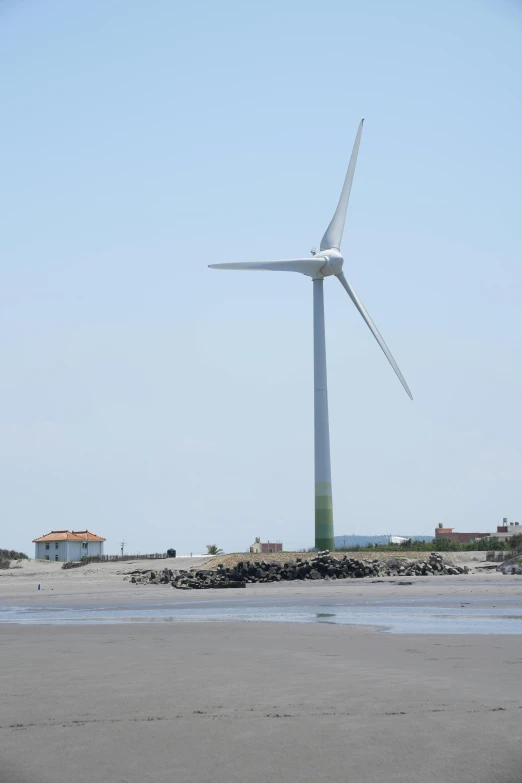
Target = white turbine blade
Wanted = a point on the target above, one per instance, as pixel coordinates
(373, 329)
(306, 266)
(334, 232)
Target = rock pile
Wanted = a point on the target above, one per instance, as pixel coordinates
(321, 566)
(186, 580)
(512, 567)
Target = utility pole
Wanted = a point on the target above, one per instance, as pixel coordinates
(122, 545)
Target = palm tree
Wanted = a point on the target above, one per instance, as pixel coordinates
(213, 549)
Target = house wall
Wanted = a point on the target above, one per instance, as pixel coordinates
(67, 550)
(95, 548)
(56, 548)
(271, 547)
(258, 548)
(76, 549)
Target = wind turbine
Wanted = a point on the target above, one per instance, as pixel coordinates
(327, 263)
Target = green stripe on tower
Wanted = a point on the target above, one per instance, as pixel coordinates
(324, 529)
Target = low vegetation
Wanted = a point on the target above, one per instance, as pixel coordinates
(443, 545)
(10, 554)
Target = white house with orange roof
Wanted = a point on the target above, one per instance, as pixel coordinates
(67, 545)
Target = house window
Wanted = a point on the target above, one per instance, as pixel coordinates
(47, 546)
(56, 557)
(84, 545)
(56, 546)
(47, 557)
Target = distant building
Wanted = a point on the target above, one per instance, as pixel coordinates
(259, 548)
(506, 530)
(460, 538)
(398, 540)
(503, 531)
(67, 545)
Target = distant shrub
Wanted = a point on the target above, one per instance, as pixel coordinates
(10, 554)
(444, 545)
(515, 542)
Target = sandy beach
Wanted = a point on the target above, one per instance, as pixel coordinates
(255, 701)
(105, 581)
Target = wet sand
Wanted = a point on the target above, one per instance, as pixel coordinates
(257, 703)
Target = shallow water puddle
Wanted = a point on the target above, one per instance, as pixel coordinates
(409, 616)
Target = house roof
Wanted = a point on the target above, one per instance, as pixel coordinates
(68, 535)
(86, 535)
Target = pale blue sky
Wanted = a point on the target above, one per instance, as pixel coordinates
(145, 396)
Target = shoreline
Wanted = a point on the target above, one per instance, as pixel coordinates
(465, 604)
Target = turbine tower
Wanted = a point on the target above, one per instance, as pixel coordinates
(327, 263)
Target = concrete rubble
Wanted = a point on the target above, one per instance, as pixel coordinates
(511, 567)
(321, 566)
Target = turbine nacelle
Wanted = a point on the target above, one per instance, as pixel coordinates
(333, 262)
